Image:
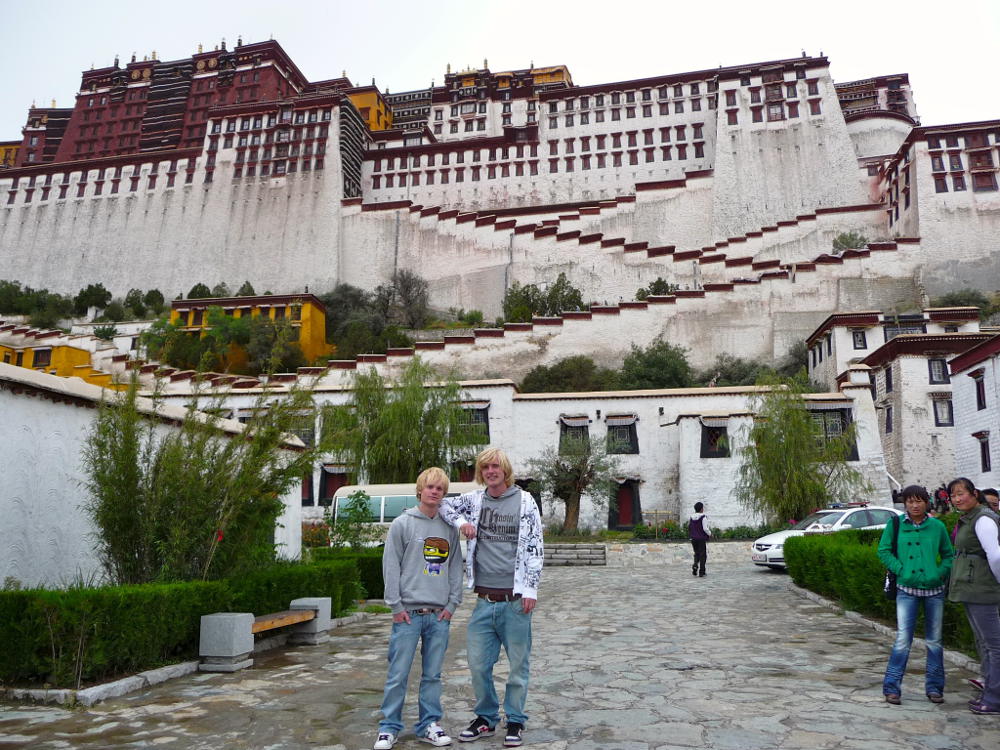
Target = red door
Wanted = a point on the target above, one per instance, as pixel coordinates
(625, 504)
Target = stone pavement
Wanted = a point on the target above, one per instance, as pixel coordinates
(624, 659)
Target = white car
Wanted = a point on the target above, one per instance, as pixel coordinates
(769, 550)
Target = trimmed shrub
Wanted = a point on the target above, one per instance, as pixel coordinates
(845, 567)
(66, 637)
(271, 589)
(369, 564)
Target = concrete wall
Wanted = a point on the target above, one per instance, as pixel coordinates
(970, 420)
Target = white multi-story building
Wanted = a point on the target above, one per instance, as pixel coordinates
(674, 447)
(975, 382)
(846, 338)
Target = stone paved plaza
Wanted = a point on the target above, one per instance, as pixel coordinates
(623, 658)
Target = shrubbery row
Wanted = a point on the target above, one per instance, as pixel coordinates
(845, 566)
(62, 638)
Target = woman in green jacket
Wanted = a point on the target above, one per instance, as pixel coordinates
(922, 563)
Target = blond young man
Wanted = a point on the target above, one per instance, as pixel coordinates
(422, 568)
(504, 568)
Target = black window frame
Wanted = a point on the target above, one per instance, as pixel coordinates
(944, 369)
(715, 442)
(568, 433)
(863, 339)
(985, 462)
(618, 443)
(980, 392)
(478, 418)
(938, 422)
(888, 420)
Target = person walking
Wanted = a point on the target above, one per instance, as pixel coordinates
(422, 568)
(699, 533)
(504, 568)
(975, 582)
(921, 562)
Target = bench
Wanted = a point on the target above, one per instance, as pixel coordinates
(227, 644)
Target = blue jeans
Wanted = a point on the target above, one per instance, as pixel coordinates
(402, 648)
(494, 624)
(906, 618)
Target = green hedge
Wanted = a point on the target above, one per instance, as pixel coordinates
(845, 567)
(369, 564)
(62, 638)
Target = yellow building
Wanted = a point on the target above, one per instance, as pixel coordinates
(552, 74)
(55, 359)
(374, 109)
(8, 153)
(304, 311)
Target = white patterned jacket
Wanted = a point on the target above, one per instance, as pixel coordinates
(463, 509)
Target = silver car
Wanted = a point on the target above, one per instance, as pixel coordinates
(769, 550)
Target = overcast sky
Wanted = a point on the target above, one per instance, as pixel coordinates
(948, 48)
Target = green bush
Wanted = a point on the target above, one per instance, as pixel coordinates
(845, 567)
(368, 562)
(271, 589)
(66, 637)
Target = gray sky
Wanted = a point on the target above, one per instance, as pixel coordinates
(947, 48)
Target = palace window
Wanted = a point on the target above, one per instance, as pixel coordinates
(622, 437)
(938, 371)
(943, 413)
(714, 441)
(859, 339)
(980, 386)
(888, 420)
(574, 432)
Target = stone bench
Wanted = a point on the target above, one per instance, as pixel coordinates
(227, 638)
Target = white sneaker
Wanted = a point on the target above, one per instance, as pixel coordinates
(385, 741)
(435, 735)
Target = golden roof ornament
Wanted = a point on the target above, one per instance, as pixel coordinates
(199, 48)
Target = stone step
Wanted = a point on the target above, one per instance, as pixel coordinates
(575, 554)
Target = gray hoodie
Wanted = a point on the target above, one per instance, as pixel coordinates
(422, 563)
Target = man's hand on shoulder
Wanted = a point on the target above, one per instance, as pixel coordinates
(468, 530)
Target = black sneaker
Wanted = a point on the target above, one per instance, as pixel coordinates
(478, 728)
(513, 737)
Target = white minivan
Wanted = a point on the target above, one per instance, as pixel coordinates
(388, 501)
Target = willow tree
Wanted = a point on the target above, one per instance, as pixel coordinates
(794, 460)
(391, 430)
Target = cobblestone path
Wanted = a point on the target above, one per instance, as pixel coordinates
(623, 659)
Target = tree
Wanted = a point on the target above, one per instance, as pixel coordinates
(221, 290)
(153, 299)
(658, 287)
(660, 365)
(198, 503)
(411, 298)
(572, 374)
(790, 463)
(391, 430)
(728, 370)
(968, 298)
(115, 312)
(272, 346)
(357, 321)
(849, 241)
(578, 467)
(105, 333)
(134, 302)
(521, 303)
(246, 290)
(199, 291)
(93, 295)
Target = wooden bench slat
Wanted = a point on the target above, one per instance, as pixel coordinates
(280, 619)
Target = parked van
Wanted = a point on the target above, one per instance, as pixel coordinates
(388, 501)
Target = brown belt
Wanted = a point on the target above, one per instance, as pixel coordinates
(496, 595)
